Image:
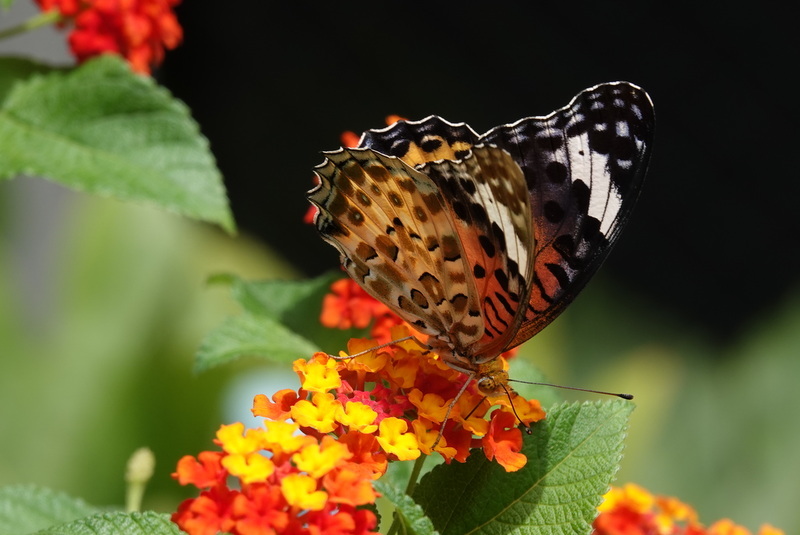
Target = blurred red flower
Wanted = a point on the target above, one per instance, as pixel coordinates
(138, 30)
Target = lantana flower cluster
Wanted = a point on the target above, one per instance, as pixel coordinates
(632, 510)
(288, 483)
(355, 414)
(403, 394)
(138, 30)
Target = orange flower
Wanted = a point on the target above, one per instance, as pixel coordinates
(503, 443)
(205, 471)
(349, 139)
(632, 510)
(138, 30)
(349, 306)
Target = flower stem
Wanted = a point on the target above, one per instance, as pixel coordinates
(412, 479)
(412, 483)
(42, 19)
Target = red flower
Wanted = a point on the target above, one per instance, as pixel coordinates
(138, 30)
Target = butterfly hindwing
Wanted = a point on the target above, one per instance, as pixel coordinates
(418, 142)
(583, 165)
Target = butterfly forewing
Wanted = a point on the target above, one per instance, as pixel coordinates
(397, 239)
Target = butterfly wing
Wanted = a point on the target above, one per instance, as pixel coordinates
(419, 142)
(397, 239)
(583, 165)
(447, 246)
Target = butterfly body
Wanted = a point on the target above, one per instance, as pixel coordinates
(480, 241)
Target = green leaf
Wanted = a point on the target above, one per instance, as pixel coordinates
(148, 523)
(14, 70)
(280, 299)
(249, 335)
(25, 509)
(281, 322)
(102, 129)
(411, 514)
(572, 456)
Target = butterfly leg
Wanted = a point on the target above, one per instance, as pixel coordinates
(387, 344)
(470, 377)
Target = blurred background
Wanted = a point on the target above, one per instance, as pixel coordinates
(696, 312)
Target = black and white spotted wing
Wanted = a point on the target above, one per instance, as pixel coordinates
(583, 165)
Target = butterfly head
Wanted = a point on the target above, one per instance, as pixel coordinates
(492, 379)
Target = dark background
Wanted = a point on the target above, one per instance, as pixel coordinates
(715, 232)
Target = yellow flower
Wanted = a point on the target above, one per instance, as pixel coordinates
(319, 459)
(357, 416)
(280, 437)
(726, 527)
(427, 432)
(673, 510)
(317, 375)
(232, 441)
(250, 468)
(301, 492)
(318, 413)
(431, 406)
(630, 496)
(393, 438)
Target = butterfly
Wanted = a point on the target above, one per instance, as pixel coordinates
(480, 241)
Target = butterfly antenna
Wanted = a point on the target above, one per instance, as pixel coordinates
(360, 353)
(603, 392)
(478, 404)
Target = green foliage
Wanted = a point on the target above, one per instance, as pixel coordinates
(117, 524)
(572, 457)
(102, 129)
(33, 510)
(13, 70)
(26, 509)
(280, 322)
(411, 515)
(255, 336)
